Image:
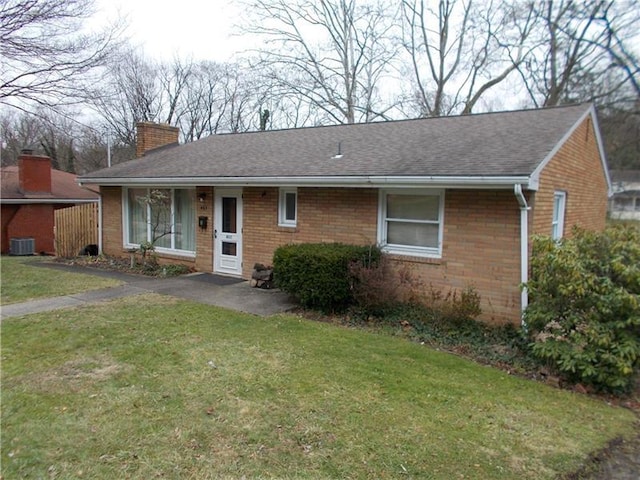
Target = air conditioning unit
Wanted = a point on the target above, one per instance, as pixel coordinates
(22, 246)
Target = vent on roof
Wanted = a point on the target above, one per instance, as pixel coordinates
(339, 154)
(22, 246)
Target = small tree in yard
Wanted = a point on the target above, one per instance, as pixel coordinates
(584, 315)
(157, 205)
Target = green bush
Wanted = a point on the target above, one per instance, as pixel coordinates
(584, 315)
(317, 274)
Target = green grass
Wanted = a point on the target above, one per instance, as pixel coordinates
(149, 386)
(22, 281)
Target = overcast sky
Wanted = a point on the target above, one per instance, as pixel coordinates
(199, 28)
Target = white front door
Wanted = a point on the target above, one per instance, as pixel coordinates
(227, 248)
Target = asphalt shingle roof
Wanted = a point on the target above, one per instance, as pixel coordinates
(63, 187)
(491, 144)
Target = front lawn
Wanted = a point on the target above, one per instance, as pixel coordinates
(153, 387)
(22, 281)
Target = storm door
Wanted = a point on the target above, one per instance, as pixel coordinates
(227, 253)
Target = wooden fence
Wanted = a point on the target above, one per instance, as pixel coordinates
(75, 228)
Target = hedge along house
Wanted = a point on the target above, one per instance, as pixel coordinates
(455, 199)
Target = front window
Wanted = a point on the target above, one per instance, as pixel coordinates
(162, 216)
(411, 222)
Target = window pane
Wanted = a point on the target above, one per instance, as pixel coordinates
(557, 203)
(623, 203)
(161, 217)
(229, 215)
(185, 216)
(413, 207)
(290, 207)
(137, 215)
(229, 248)
(413, 234)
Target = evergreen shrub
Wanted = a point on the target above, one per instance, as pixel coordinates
(584, 311)
(317, 274)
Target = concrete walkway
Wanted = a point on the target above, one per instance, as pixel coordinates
(205, 288)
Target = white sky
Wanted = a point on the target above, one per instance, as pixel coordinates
(199, 28)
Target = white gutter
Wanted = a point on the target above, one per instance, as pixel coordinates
(320, 181)
(524, 250)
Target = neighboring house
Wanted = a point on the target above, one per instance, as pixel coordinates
(625, 202)
(31, 192)
(455, 199)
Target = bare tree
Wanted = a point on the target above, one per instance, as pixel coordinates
(336, 53)
(459, 50)
(584, 51)
(203, 104)
(174, 80)
(72, 146)
(131, 94)
(57, 138)
(220, 98)
(44, 53)
(18, 131)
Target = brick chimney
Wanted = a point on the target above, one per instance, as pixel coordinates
(153, 135)
(34, 172)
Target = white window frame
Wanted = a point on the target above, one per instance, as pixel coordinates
(283, 221)
(410, 250)
(125, 222)
(557, 219)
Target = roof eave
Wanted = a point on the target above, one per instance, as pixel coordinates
(589, 112)
(387, 181)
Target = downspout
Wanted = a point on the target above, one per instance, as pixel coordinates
(524, 250)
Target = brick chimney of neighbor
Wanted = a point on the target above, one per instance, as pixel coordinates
(34, 172)
(153, 135)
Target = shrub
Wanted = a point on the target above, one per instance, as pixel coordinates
(584, 315)
(453, 306)
(174, 270)
(318, 274)
(378, 288)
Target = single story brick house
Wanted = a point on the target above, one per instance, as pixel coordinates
(31, 192)
(456, 199)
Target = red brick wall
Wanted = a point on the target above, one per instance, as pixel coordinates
(577, 170)
(6, 215)
(34, 173)
(35, 221)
